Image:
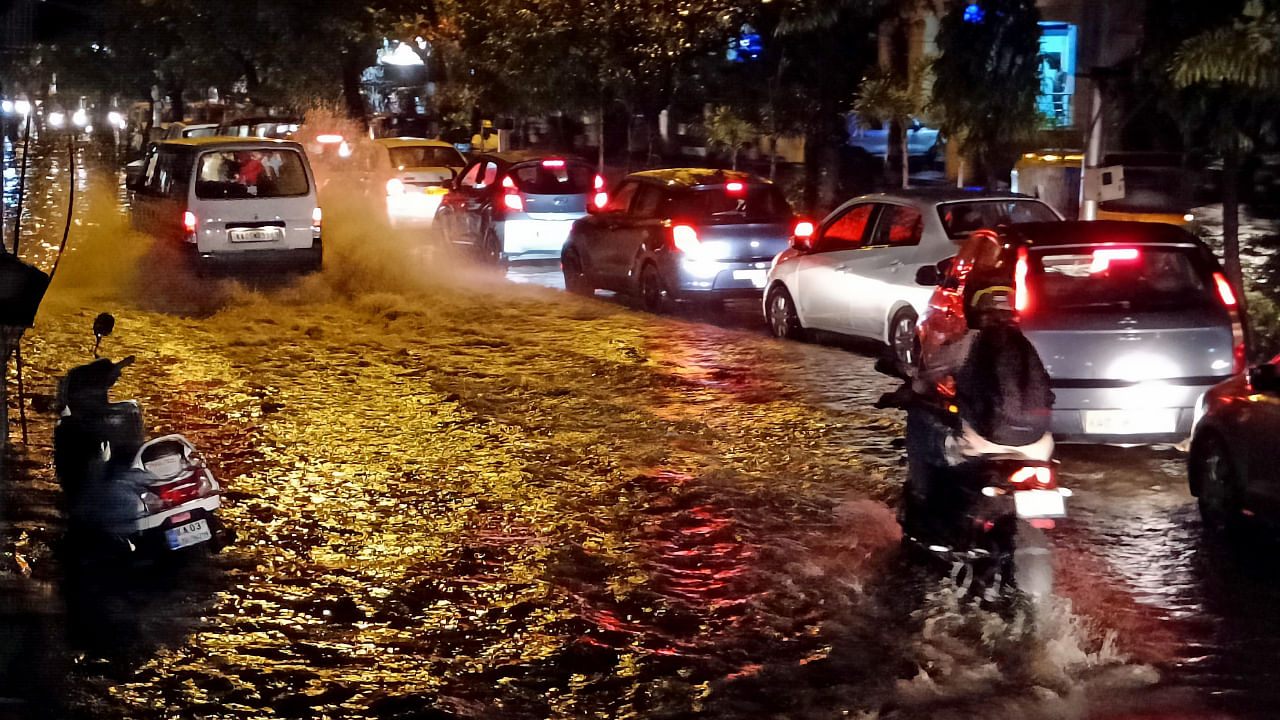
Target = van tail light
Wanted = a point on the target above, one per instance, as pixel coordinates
(513, 201)
(1228, 297)
(395, 186)
(599, 183)
(600, 200)
(685, 239)
(1021, 294)
(189, 221)
(316, 218)
(804, 229)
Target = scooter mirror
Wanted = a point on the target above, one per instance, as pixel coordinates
(103, 325)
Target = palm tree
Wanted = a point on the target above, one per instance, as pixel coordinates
(1228, 72)
(887, 98)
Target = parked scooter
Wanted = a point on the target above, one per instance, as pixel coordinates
(131, 494)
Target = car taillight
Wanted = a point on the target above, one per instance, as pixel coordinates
(1103, 257)
(599, 183)
(1021, 295)
(508, 183)
(1033, 477)
(189, 221)
(1228, 297)
(513, 202)
(685, 239)
(1225, 293)
(317, 218)
(395, 186)
(804, 229)
(600, 200)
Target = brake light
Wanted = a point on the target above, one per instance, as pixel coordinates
(1237, 353)
(1037, 476)
(161, 497)
(316, 218)
(508, 183)
(189, 221)
(395, 187)
(734, 187)
(600, 200)
(552, 163)
(804, 229)
(1021, 296)
(685, 238)
(328, 139)
(1103, 257)
(599, 183)
(513, 202)
(1225, 292)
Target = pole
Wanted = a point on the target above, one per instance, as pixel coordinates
(22, 183)
(1092, 154)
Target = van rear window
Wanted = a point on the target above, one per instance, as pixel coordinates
(1142, 278)
(251, 173)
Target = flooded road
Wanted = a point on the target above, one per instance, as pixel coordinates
(459, 495)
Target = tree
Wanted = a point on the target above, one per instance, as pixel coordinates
(1230, 75)
(986, 78)
(727, 129)
(888, 97)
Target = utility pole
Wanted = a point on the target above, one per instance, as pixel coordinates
(1092, 154)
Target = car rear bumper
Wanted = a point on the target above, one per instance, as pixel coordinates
(719, 278)
(534, 239)
(305, 259)
(1136, 414)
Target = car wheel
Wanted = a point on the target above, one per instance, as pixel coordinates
(653, 292)
(575, 278)
(1219, 496)
(491, 249)
(904, 343)
(781, 315)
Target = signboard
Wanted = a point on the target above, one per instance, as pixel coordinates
(1104, 183)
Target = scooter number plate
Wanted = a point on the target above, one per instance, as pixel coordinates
(189, 534)
(1039, 504)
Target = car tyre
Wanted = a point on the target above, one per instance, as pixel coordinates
(904, 343)
(491, 250)
(1219, 485)
(575, 277)
(781, 315)
(654, 295)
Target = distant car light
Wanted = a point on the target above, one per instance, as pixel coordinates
(22, 107)
(80, 118)
(1189, 217)
(116, 120)
(6, 106)
(57, 119)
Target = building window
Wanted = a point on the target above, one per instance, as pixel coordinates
(1057, 73)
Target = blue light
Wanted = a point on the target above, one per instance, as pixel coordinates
(973, 13)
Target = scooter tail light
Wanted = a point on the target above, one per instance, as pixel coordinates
(1033, 476)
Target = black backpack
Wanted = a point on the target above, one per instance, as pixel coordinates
(1002, 389)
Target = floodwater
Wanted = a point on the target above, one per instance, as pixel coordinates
(458, 495)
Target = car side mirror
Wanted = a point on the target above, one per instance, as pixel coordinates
(928, 276)
(803, 243)
(1264, 378)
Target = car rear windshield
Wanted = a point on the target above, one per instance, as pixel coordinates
(961, 218)
(554, 178)
(418, 156)
(251, 173)
(756, 203)
(1112, 278)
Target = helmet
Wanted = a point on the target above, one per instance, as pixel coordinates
(988, 301)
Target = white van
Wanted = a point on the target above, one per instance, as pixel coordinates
(235, 202)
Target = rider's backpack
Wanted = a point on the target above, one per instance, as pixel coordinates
(1002, 389)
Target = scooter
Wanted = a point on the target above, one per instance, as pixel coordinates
(134, 495)
(983, 521)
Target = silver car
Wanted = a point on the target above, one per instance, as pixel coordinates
(1134, 321)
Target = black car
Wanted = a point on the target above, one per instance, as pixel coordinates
(516, 205)
(680, 234)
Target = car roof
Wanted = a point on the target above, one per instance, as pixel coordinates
(511, 157)
(412, 142)
(258, 119)
(228, 140)
(696, 177)
(1097, 232)
(941, 195)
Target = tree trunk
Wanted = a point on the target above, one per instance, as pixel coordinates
(773, 156)
(351, 83)
(906, 182)
(733, 159)
(600, 160)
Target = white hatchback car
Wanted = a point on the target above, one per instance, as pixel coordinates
(422, 171)
(856, 275)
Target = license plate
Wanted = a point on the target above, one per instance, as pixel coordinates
(256, 234)
(755, 276)
(189, 534)
(1130, 422)
(1039, 504)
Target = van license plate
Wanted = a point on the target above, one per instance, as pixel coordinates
(1130, 422)
(268, 234)
(755, 276)
(1039, 504)
(189, 534)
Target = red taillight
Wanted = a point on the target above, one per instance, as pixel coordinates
(329, 139)
(600, 200)
(1103, 257)
(189, 221)
(599, 184)
(1028, 476)
(1225, 292)
(513, 202)
(552, 163)
(804, 229)
(685, 238)
(1237, 354)
(316, 218)
(1021, 295)
(734, 187)
(508, 183)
